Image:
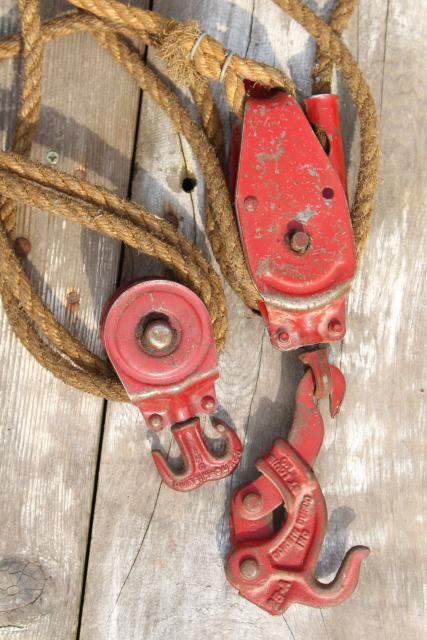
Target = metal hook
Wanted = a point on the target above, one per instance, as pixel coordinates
(328, 379)
(320, 380)
(318, 594)
(200, 465)
(278, 571)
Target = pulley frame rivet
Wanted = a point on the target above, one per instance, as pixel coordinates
(208, 404)
(250, 203)
(335, 327)
(252, 502)
(249, 568)
(283, 336)
(155, 422)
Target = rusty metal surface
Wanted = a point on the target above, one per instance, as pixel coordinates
(174, 385)
(200, 465)
(323, 111)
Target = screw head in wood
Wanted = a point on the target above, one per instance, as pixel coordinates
(22, 247)
(52, 157)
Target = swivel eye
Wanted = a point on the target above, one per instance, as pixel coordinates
(158, 336)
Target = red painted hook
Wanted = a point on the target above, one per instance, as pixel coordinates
(200, 465)
(279, 570)
(320, 381)
(275, 568)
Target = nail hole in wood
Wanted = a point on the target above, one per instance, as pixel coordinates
(188, 183)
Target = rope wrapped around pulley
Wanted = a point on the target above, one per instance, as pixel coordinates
(113, 24)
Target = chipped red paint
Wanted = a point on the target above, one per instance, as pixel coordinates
(200, 465)
(276, 568)
(323, 110)
(158, 336)
(172, 386)
(299, 196)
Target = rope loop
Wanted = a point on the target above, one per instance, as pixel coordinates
(192, 58)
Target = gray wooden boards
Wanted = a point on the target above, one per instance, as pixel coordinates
(50, 433)
(156, 558)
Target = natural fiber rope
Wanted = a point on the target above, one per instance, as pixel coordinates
(97, 208)
(323, 65)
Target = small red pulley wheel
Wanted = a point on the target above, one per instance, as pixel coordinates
(158, 336)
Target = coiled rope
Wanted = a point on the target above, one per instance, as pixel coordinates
(22, 181)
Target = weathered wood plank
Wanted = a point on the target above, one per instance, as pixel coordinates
(374, 449)
(128, 580)
(50, 433)
(156, 557)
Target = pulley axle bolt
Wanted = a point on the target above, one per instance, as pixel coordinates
(249, 568)
(250, 203)
(252, 502)
(300, 241)
(158, 337)
(208, 404)
(335, 327)
(155, 422)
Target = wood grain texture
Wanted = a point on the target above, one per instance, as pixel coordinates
(156, 560)
(49, 433)
(377, 437)
(156, 557)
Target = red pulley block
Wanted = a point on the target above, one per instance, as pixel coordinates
(158, 336)
(296, 233)
(294, 219)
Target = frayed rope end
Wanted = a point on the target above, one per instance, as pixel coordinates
(175, 50)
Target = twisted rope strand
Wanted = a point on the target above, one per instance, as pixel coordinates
(323, 65)
(97, 208)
